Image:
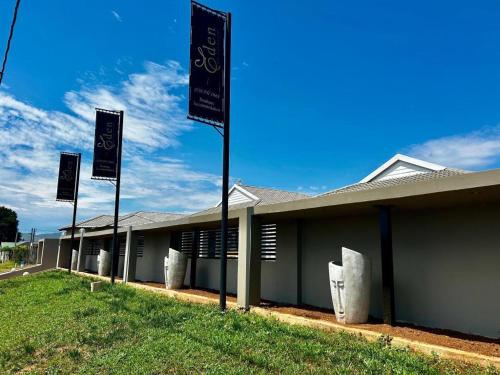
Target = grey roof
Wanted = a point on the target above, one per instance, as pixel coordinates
(448, 172)
(265, 195)
(134, 218)
(214, 210)
(270, 195)
(143, 217)
(94, 222)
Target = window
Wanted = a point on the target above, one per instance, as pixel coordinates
(186, 243)
(140, 246)
(123, 244)
(209, 243)
(268, 242)
(93, 247)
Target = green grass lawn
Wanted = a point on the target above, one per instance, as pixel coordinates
(7, 266)
(51, 323)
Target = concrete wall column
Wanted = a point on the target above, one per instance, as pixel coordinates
(80, 265)
(64, 253)
(130, 261)
(248, 285)
(39, 252)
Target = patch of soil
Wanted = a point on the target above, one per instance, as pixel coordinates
(447, 338)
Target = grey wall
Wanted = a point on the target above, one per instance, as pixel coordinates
(91, 263)
(64, 253)
(322, 240)
(207, 274)
(279, 277)
(446, 265)
(121, 262)
(150, 267)
(447, 269)
(49, 251)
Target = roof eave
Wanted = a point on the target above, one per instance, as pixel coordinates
(447, 184)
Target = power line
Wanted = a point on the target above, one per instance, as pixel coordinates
(9, 40)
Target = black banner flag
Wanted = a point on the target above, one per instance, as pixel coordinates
(66, 184)
(107, 138)
(206, 73)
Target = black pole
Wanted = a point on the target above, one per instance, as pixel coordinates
(225, 165)
(385, 223)
(9, 40)
(75, 205)
(115, 247)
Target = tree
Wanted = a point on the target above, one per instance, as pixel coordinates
(8, 224)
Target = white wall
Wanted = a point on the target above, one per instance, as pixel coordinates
(401, 169)
(447, 269)
(150, 267)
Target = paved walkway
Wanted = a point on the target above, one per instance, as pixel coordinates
(31, 269)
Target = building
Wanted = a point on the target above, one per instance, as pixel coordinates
(430, 232)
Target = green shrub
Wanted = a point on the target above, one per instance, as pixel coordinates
(20, 253)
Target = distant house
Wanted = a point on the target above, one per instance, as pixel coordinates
(429, 230)
(5, 249)
(12, 244)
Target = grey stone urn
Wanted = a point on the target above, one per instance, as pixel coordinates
(350, 287)
(175, 269)
(74, 259)
(104, 263)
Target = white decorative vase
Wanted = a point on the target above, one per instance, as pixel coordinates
(350, 287)
(74, 259)
(104, 263)
(175, 269)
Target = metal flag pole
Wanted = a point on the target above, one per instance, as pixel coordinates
(225, 166)
(115, 246)
(75, 205)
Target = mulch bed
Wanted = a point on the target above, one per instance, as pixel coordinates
(450, 339)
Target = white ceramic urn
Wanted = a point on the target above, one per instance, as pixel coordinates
(350, 287)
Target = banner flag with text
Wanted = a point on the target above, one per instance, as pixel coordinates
(107, 126)
(66, 184)
(206, 72)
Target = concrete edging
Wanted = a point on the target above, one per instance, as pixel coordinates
(442, 351)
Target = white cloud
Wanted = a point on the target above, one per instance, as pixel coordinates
(31, 139)
(116, 15)
(473, 150)
(148, 101)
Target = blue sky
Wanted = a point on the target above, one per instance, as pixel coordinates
(322, 93)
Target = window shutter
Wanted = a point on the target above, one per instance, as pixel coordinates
(123, 244)
(140, 246)
(268, 238)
